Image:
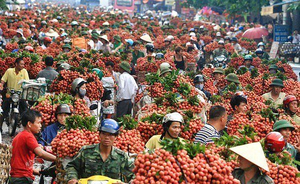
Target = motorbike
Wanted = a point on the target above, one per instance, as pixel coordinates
(47, 173)
(220, 61)
(98, 179)
(13, 119)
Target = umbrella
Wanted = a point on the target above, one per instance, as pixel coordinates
(255, 33)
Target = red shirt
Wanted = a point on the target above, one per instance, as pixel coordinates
(22, 155)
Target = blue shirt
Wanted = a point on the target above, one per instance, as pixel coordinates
(50, 132)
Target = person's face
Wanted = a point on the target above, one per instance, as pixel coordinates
(242, 108)
(224, 120)
(221, 46)
(110, 68)
(243, 163)
(276, 90)
(36, 126)
(66, 50)
(285, 132)
(259, 55)
(129, 56)
(107, 139)
(217, 76)
(136, 47)
(295, 32)
(61, 118)
(175, 129)
(83, 87)
(20, 65)
(293, 106)
(247, 62)
(273, 71)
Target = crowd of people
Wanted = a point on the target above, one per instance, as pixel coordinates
(56, 33)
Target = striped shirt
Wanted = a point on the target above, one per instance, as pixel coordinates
(206, 134)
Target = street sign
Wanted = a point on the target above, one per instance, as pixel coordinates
(274, 50)
(169, 2)
(280, 33)
(266, 10)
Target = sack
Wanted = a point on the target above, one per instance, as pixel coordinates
(79, 42)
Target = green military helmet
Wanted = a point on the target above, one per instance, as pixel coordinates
(63, 66)
(232, 78)
(164, 68)
(248, 57)
(274, 67)
(98, 72)
(218, 70)
(78, 82)
(95, 36)
(125, 66)
(277, 82)
(83, 33)
(67, 46)
(106, 29)
(94, 31)
(282, 124)
(117, 38)
(128, 27)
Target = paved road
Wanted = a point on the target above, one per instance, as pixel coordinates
(6, 139)
(296, 69)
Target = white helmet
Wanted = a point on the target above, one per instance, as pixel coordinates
(192, 34)
(170, 37)
(174, 116)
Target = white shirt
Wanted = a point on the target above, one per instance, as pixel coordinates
(127, 87)
(237, 47)
(296, 39)
(95, 46)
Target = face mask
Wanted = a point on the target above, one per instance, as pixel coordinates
(81, 92)
(199, 86)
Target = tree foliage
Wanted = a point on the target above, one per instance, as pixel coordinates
(3, 5)
(233, 7)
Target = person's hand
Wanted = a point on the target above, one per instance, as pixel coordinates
(106, 103)
(41, 146)
(1, 86)
(73, 181)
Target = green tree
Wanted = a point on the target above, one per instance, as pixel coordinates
(3, 5)
(233, 7)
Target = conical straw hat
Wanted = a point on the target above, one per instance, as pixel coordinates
(252, 152)
(146, 38)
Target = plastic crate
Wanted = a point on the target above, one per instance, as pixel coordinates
(33, 90)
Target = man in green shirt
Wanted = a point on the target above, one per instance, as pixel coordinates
(136, 54)
(101, 159)
(285, 128)
(275, 95)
